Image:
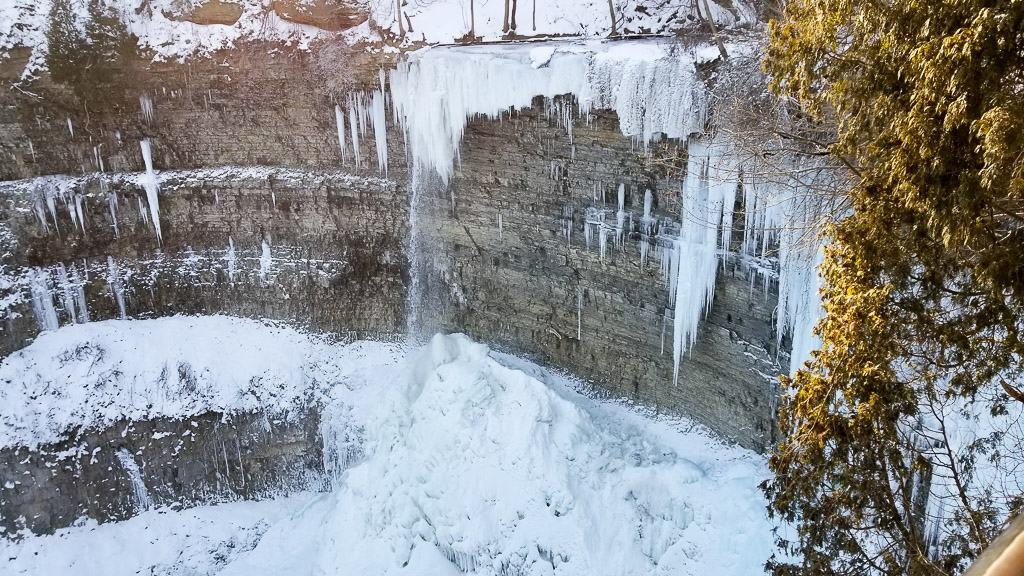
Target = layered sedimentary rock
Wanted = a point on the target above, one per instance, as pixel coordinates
(540, 243)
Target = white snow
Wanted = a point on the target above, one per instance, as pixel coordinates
(165, 542)
(98, 373)
(446, 460)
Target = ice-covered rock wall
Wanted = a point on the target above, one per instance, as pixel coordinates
(657, 92)
(563, 230)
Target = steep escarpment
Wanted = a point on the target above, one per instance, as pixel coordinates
(556, 236)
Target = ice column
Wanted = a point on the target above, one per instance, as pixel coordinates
(42, 300)
(116, 286)
(265, 260)
(149, 183)
(142, 498)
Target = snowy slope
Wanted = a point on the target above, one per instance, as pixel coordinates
(95, 374)
(448, 460)
(162, 542)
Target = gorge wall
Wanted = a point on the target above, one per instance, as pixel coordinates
(261, 216)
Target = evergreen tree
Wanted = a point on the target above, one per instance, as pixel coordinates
(66, 44)
(923, 286)
(90, 62)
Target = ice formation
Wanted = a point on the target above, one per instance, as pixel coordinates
(146, 106)
(42, 300)
(560, 485)
(116, 286)
(654, 88)
(651, 86)
(229, 258)
(266, 261)
(143, 501)
(72, 295)
(149, 182)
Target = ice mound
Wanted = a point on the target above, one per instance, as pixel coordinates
(468, 466)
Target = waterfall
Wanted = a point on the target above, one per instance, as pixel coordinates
(143, 501)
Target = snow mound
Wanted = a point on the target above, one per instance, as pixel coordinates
(469, 466)
(95, 374)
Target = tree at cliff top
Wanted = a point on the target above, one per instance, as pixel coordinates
(902, 435)
(91, 59)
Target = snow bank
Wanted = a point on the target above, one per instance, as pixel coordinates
(165, 542)
(96, 374)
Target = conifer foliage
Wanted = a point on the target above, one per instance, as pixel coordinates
(902, 436)
(87, 54)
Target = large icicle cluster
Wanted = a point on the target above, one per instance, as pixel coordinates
(651, 85)
(655, 89)
(366, 110)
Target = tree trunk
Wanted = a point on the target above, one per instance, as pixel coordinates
(504, 20)
(513, 24)
(611, 10)
(398, 16)
(714, 30)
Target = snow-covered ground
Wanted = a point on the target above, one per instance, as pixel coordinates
(445, 459)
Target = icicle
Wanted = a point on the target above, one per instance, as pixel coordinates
(67, 294)
(339, 120)
(579, 314)
(71, 128)
(265, 261)
(353, 129)
(150, 184)
(620, 215)
(80, 214)
(143, 214)
(501, 226)
(42, 300)
(143, 500)
(116, 286)
(83, 308)
(380, 134)
(147, 108)
(436, 92)
(112, 205)
(230, 258)
(697, 250)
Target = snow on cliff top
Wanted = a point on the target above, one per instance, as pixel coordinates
(450, 460)
(158, 27)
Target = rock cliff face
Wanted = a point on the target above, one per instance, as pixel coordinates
(250, 164)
